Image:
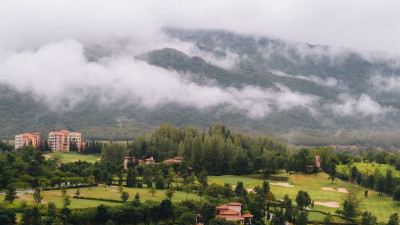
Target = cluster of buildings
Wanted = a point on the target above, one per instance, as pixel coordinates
(58, 141)
(150, 160)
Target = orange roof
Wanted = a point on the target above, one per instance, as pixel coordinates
(235, 203)
(25, 134)
(247, 216)
(222, 207)
(169, 161)
(228, 212)
(63, 132)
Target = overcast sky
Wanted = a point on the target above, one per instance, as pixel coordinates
(363, 25)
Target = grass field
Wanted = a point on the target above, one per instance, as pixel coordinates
(67, 157)
(381, 206)
(370, 168)
(100, 192)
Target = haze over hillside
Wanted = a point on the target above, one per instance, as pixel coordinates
(119, 78)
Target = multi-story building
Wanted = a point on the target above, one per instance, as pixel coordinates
(27, 139)
(60, 141)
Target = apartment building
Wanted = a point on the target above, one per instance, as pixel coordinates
(27, 139)
(59, 141)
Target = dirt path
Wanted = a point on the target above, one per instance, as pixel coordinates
(282, 184)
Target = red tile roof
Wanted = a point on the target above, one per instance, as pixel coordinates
(222, 207)
(235, 203)
(228, 212)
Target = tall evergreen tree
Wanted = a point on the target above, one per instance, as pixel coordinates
(11, 194)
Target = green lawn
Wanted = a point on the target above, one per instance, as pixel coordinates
(72, 157)
(370, 168)
(380, 206)
(233, 179)
(100, 192)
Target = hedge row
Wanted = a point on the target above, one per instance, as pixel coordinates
(99, 199)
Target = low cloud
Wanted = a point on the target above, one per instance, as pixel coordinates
(385, 83)
(328, 82)
(362, 106)
(58, 73)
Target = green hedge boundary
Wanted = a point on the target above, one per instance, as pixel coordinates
(99, 199)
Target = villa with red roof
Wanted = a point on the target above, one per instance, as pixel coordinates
(127, 159)
(173, 160)
(232, 211)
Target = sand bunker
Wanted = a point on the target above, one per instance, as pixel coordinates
(250, 190)
(328, 189)
(328, 204)
(282, 184)
(342, 190)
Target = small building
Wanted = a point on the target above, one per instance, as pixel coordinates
(233, 211)
(150, 160)
(133, 160)
(173, 160)
(317, 164)
(27, 139)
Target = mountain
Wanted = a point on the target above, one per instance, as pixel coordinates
(318, 94)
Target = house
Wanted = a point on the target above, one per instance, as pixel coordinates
(317, 164)
(27, 139)
(173, 160)
(233, 211)
(60, 141)
(133, 160)
(150, 160)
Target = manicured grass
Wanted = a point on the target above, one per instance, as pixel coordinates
(370, 168)
(58, 200)
(233, 179)
(380, 206)
(316, 216)
(73, 157)
(100, 192)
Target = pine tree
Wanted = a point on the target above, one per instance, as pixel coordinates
(51, 213)
(37, 195)
(124, 196)
(11, 194)
(368, 219)
(31, 216)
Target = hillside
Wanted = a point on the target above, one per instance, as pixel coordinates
(311, 95)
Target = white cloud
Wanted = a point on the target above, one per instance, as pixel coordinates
(385, 84)
(362, 106)
(59, 73)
